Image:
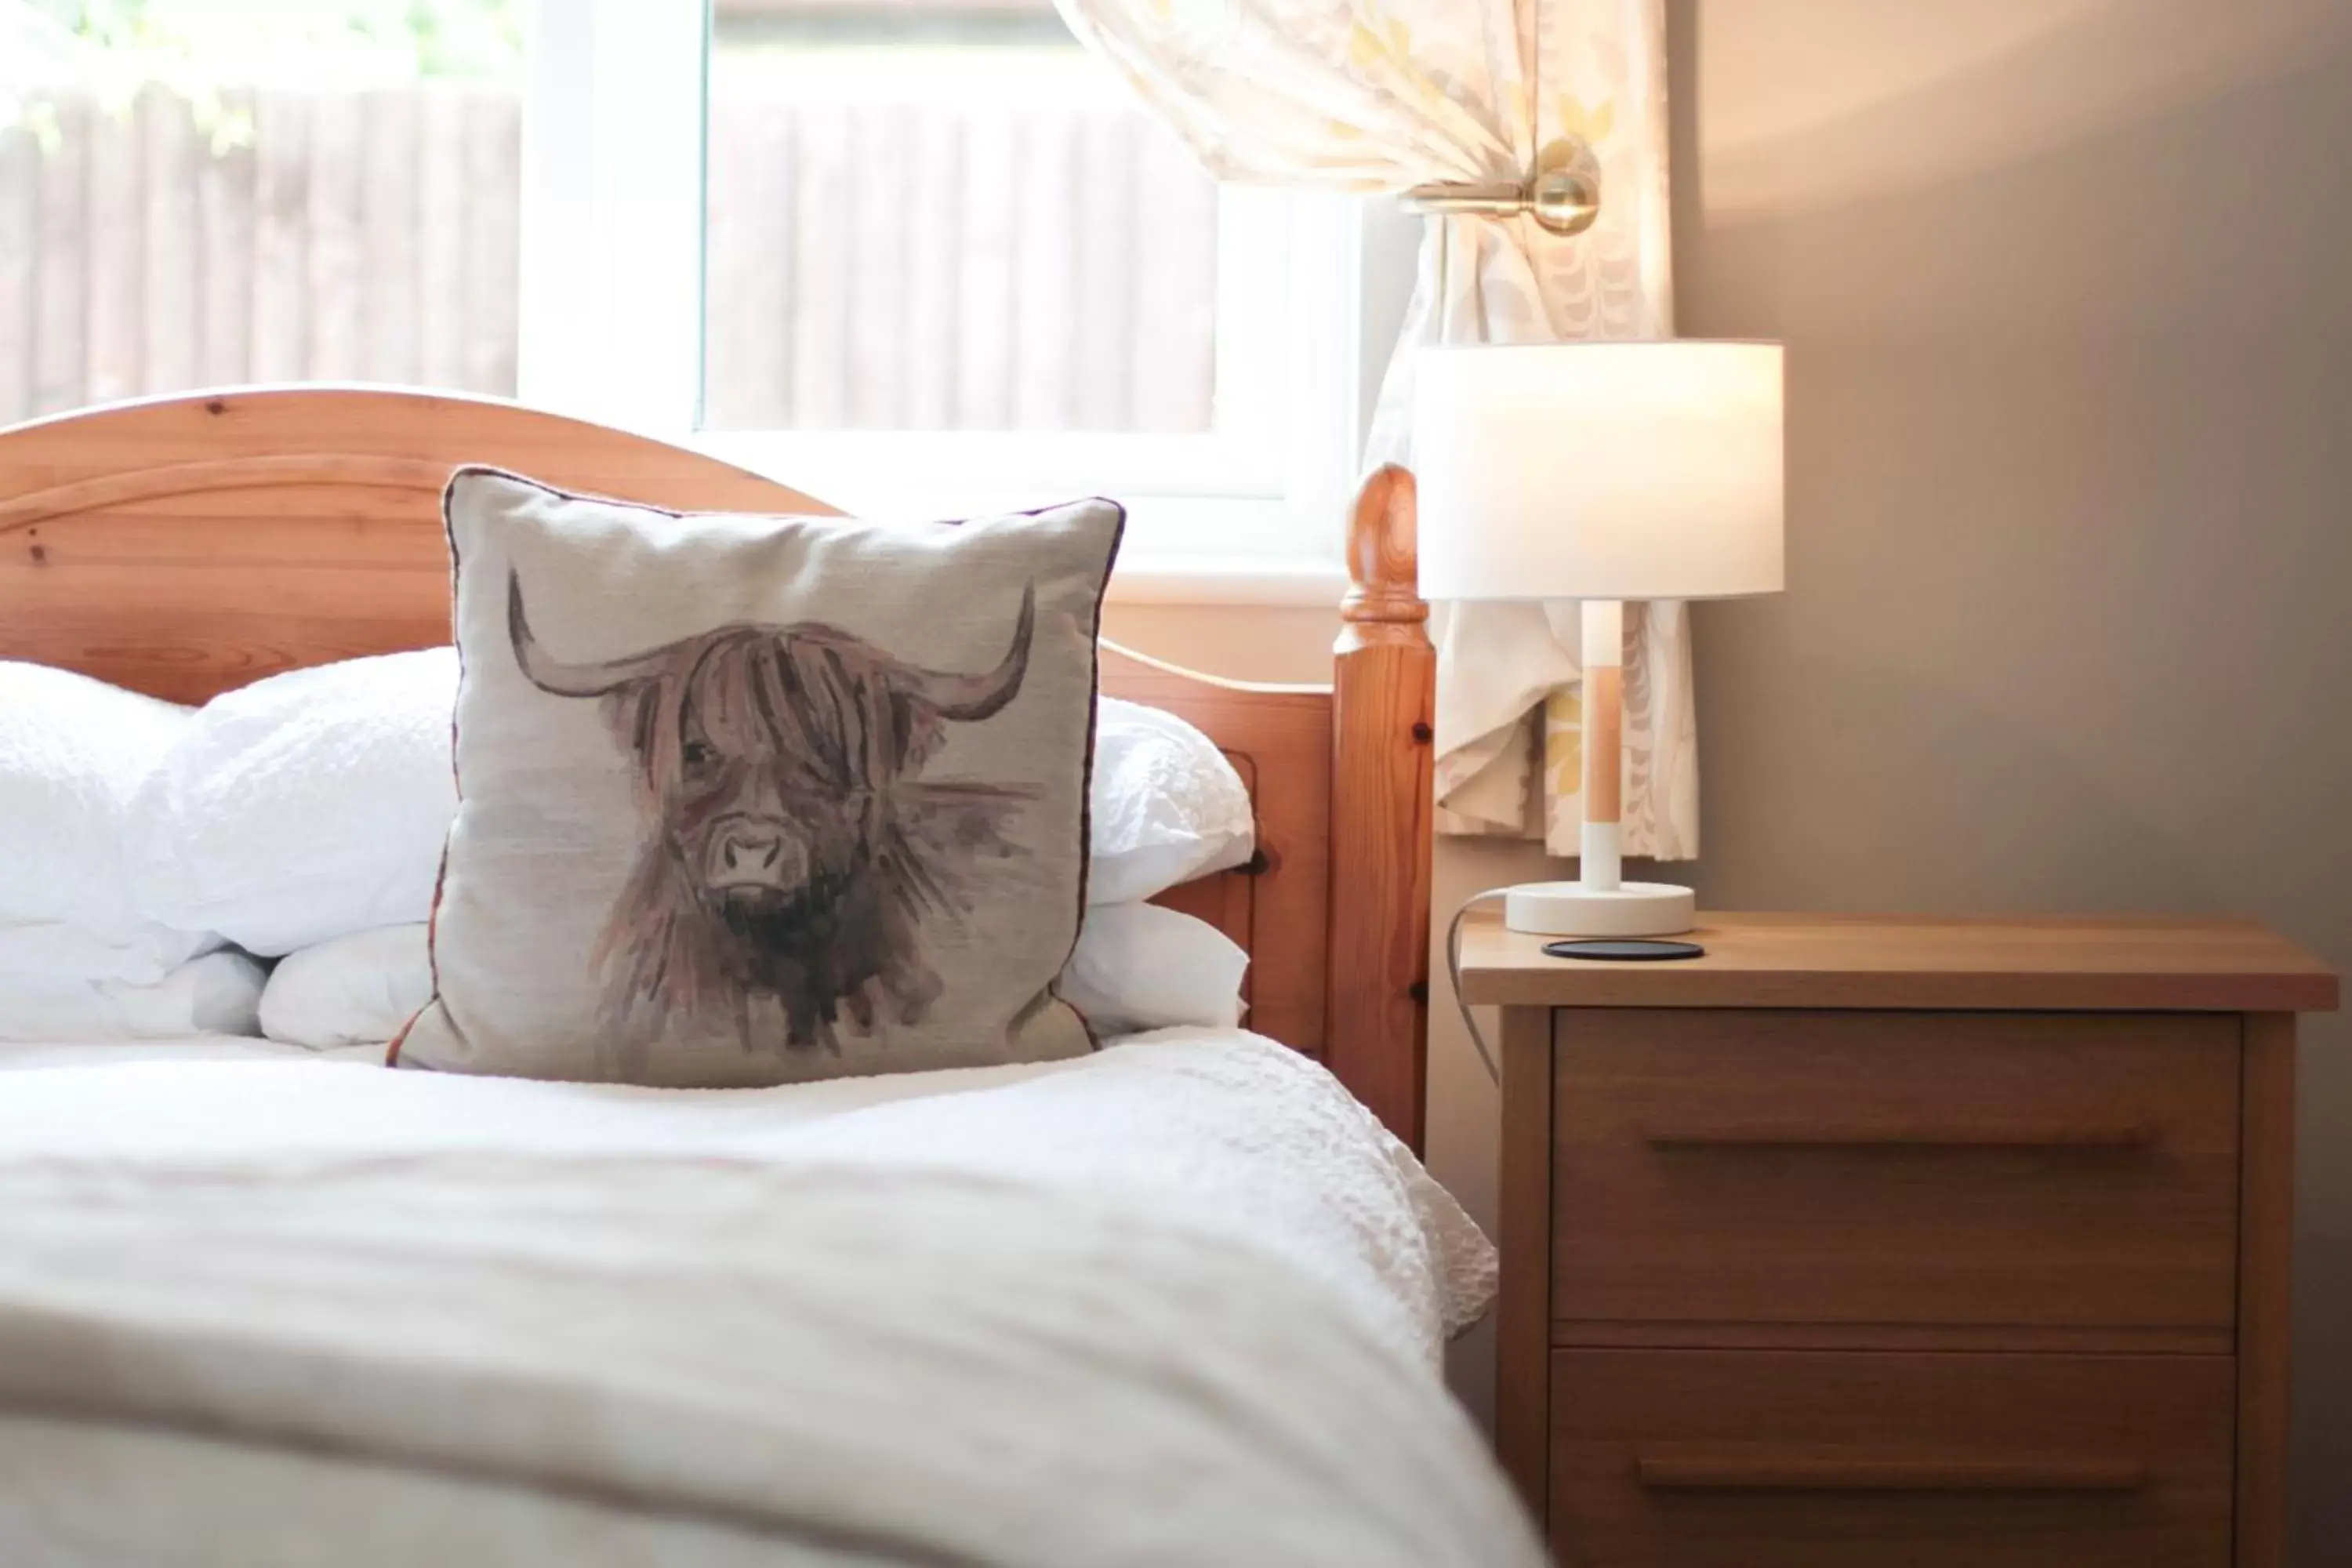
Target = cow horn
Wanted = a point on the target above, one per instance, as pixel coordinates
(964, 698)
(558, 679)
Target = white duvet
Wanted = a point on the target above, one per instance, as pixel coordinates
(1179, 1301)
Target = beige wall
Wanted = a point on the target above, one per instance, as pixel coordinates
(2068, 291)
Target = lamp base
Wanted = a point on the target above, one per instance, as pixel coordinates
(1571, 908)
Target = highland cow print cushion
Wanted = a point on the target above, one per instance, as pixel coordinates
(748, 800)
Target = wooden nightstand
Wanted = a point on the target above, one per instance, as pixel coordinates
(1942, 1243)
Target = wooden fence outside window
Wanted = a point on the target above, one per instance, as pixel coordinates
(896, 265)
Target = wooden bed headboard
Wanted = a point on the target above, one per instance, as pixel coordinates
(183, 546)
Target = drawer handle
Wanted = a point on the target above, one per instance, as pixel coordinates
(1752, 1467)
(1794, 1134)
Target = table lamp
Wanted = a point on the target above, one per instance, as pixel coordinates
(1601, 472)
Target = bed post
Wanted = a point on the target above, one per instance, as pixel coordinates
(1383, 693)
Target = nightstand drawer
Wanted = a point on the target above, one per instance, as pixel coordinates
(2023, 1179)
(1778, 1460)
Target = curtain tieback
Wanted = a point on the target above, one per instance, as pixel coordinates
(1562, 201)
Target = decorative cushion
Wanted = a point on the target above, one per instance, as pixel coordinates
(1136, 966)
(313, 804)
(749, 800)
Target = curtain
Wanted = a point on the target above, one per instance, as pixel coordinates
(1381, 94)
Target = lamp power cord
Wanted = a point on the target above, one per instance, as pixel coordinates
(1453, 976)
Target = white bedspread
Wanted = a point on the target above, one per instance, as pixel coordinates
(1176, 1302)
(16, 1055)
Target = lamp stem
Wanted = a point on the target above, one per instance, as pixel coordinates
(1603, 710)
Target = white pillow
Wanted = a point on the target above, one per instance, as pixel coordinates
(1165, 805)
(313, 804)
(61, 950)
(306, 806)
(1138, 966)
(73, 754)
(219, 994)
(360, 989)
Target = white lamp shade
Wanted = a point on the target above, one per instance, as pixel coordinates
(1599, 470)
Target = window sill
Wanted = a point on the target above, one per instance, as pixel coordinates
(1165, 578)
(1177, 550)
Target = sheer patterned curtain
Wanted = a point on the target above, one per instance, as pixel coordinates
(1381, 94)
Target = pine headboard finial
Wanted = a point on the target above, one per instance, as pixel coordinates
(1383, 561)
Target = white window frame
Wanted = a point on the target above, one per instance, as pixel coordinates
(610, 329)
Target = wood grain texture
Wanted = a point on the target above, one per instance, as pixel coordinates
(1886, 962)
(2265, 1274)
(1730, 1459)
(1384, 602)
(1384, 674)
(1881, 1168)
(1523, 1308)
(184, 546)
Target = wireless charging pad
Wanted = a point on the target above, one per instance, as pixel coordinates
(1639, 951)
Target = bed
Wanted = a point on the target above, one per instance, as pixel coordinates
(1179, 1300)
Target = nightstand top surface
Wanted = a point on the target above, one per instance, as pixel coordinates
(2102, 963)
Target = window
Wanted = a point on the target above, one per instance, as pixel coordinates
(942, 215)
(899, 254)
(917, 257)
(194, 193)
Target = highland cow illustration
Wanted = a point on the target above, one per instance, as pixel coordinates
(791, 851)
